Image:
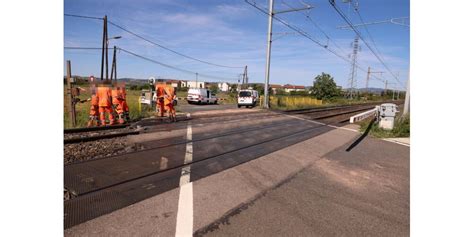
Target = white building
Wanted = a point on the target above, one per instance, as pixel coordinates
(193, 84)
(223, 86)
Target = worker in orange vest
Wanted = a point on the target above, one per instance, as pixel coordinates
(124, 102)
(94, 109)
(117, 99)
(160, 103)
(170, 100)
(105, 104)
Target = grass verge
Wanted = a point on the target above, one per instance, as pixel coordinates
(401, 128)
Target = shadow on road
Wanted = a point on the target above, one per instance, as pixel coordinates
(366, 132)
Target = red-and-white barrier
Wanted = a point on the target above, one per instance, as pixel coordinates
(364, 115)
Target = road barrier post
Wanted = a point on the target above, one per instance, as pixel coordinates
(71, 103)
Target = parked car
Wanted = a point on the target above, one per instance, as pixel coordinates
(201, 96)
(247, 98)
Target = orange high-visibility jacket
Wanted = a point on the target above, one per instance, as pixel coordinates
(116, 96)
(94, 100)
(123, 92)
(160, 90)
(104, 94)
(170, 96)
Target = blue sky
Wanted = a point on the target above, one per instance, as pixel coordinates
(231, 32)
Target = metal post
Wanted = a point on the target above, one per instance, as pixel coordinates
(406, 107)
(269, 49)
(104, 38)
(113, 71)
(106, 50)
(367, 82)
(71, 104)
(385, 90)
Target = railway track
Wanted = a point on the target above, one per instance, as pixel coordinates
(139, 168)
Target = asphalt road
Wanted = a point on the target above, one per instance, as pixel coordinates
(363, 192)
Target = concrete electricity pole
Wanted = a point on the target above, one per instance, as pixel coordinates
(196, 80)
(271, 13)
(406, 107)
(269, 51)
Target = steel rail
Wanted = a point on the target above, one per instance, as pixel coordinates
(299, 132)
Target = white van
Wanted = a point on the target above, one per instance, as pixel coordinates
(247, 98)
(201, 96)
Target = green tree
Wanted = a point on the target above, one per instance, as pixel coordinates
(324, 87)
(214, 88)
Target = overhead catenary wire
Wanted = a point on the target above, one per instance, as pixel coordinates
(308, 17)
(304, 34)
(153, 42)
(346, 19)
(367, 30)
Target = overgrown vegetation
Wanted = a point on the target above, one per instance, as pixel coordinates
(401, 128)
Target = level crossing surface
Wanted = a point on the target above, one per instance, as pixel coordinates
(118, 185)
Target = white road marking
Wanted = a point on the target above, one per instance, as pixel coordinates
(396, 142)
(343, 128)
(332, 126)
(184, 220)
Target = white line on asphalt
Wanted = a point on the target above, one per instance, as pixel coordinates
(397, 142)
(184, 219)
(348, 129)
(332, 126)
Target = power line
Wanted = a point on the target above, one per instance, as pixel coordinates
(87, 17)
(344, 17)
(168, 49)
(156, 62)
(84, 48)
(154, 43)
(173, 67)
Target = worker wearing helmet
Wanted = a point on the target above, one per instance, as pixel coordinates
(105, 104)
(170, 100)
(94, 109)
(117, 99)
(160, 103)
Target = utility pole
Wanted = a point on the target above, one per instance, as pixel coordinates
(71, 102)
(104, 52)
(196, 80)
(114, 66)
(246, 78)
(368, 78)
(271, 13)
(367, 81)
(406, 107)
(269, 50)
